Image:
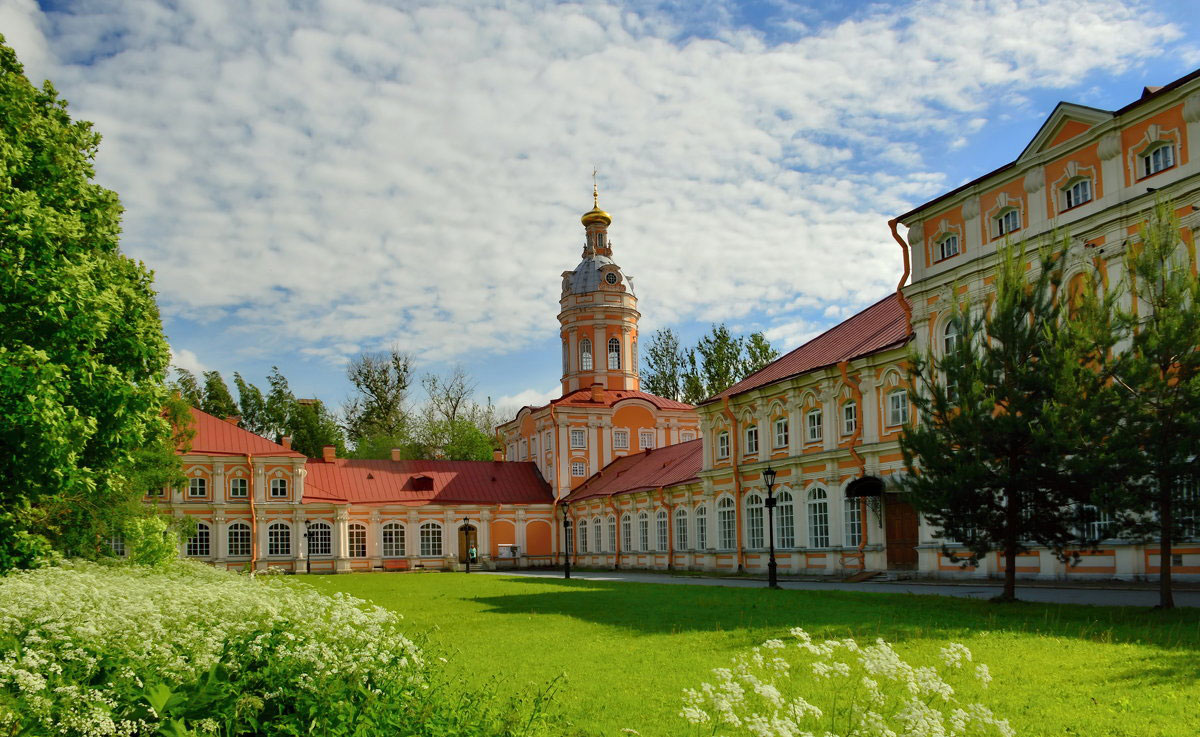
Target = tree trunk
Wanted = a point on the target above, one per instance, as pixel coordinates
(1012, 514)
(1166, 599)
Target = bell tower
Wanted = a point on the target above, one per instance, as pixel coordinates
(598, 314)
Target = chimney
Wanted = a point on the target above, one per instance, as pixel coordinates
(286, 441)
(328, 453)
(497, 456)
(395, 454)
(234, 419)
(597, 393)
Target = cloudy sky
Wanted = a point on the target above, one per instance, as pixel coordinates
(313, 179)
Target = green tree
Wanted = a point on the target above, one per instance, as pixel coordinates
(185, 385)
(759, 353)
(218, 402)
(312, 427)
(83, 359)
(251, 406)
(381, 382)
(715, 364)
(279, 406)
(665, 364)
(985, 464)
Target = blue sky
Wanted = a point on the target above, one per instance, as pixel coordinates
(313, 179)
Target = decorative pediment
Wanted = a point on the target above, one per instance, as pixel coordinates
(1068, 121)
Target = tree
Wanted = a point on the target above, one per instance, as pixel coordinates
(218, 402)
(278, 407)
(381, 381)
(759, 353)
(985, 463)
(312, 427)
(83, 359)
(665, 363)
(185, 385)
(251, 406)
(452, 424)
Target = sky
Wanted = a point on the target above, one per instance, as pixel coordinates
(310, 180)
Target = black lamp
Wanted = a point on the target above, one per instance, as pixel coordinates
(772, 567)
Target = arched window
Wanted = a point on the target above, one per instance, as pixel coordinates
(566, 358)
(754, 522)
(947, 246)
(723, 445)
(633, 358)
(853, 515)
(393, 540)
(701, 527)
(279, 539)
(569, 537)
(660, 522)
(238, 538)
(849, 418)
(583, 535)
(198, 545)
(357, 538)
(597, 538)
(626, 534)
(585, 355)
(1077, 192)
(610, 540)
(320, 539)
(681, 529)
(785, 519)
(1007, 221)
(951, 336)
(1157, 159)
(818, 518)
(643, 532)
(614, 354)
(431, 539)
(726, 524)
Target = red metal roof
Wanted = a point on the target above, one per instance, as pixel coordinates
(880, 326)
(353, 481)
(215, 436)
(669, 466)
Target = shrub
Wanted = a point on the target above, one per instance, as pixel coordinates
(839, 689)
(93, 649)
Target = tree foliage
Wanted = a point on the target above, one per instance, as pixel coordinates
(252, 406)
(664, 365)
(720, 360)
(381, 382)
(759, 353)
(83, 358)
(218, 402)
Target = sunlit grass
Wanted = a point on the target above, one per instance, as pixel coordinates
(628, 649)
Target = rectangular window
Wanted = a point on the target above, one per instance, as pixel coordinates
(578, 439)
(621, 439)
(320, 539)
(751, 440)
(646, 439)
(155, 492)
(578, 469)
(723, 445)
(1008, 222)
(814, 426)
(1160, 158)
(754, 526)
(853, 522)
(644, 532)
(898, 408)
(1078, 193)
(948, 247)
(849, 418)
(786, 521)
(279, 488)
(358, 541)
(548, 444)
(197, 487)
(626, 534)
(781, 432)
(661, 523)
(524, 449)
(431, 540)
(239, 488)
(239, 540)
(686, 435)
(611, 539)
(701, 527)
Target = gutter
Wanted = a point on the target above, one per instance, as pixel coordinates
(904, 305)
(855, 439)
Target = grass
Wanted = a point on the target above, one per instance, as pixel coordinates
(628, 649)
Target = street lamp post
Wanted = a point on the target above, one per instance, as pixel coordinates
(566, 542)
(772, 566)
(467, 534)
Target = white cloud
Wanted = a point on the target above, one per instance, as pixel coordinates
(528, 398)
(185, 359)
(344, 174)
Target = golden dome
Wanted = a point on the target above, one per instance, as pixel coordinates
(595, 215)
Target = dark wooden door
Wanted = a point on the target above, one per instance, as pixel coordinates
(466, 538)
(901, 527)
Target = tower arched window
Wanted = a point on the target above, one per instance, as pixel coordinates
(597, 539)
(633, 357)
(585, 355)
(614, 354)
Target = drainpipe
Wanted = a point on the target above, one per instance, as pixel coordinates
(253, 516)
(735, 452)
(907, 270)
(862, 464)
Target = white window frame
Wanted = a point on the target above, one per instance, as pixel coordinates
(681, 529)
(197, 487)
(597, 535)
(726, 524)
(849, 418)
(812, 424)
(585, 355)
(614, 354)
(430, 540)
(393, 539)
(279, 488)
(1007, 221)
(582, 527)
(701, 527)
(948, 246)
(785, 519)
(579, 469)
(610, 537)
(238, 543)
(199, 545)
(356, 540)
(818, 518)
(626, 533)
(1077, 192)
(686, 435)
(279, 540)
(1157, 159)
(578, 439)
(661, 527)
(645, 439)
(620, 440)
(723, 444)
(781, 432)
(755, 525)
(239, 488)
(320, 539)
(897, 408)
(852, 515)
(751, 440)
(643, 532)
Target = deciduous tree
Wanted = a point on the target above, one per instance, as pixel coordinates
(218, 402)
(665, 364)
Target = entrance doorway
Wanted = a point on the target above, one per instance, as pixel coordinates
(902, 529)
(467, 536)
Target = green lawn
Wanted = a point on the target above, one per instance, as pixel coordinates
(628, 649)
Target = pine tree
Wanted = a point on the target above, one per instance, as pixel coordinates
(251, 406)
(218, 402)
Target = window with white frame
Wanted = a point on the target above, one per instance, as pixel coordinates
(610, 540)
(279, 488)
(751, 440)
(898, 408)
(357, 539)
(687, 435)
(951, 336)
(849, 418)
(947, 247)
(155, 492)
(785, 519)
(723, 445)
(1008, 221)
(116, 544)
(1157, 159)
(431, 539)
(853, 517)
(614, 354)
(818, 519)
(548, 442)
(626, 534)
(660, 523)
(781, 432)
(597, 539)
(197, 487)
(578, 439)
(239, 488)
(578, 469)
(814, 426)
(1187, 508)
(726, 524)
(533, 446)
(701, 527)
(566, 368)
(238, 540)
(583, 535)
(1094, 523)
(279, 540)
(199, 544)
(569, 537)
(620, 439)
(524, 445)
(393, 540)
(754, 522)
(1077, 192)
(320, 539)
(585, 355)
(512, 451)
(681, 531)
(645, 439)
(643, 532)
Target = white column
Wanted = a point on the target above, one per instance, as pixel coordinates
(219, 490)
(412, 538)
(829, 418)
(299, 537)
(221, 537)
(341, 540)
(795, 427)
(260, 482)
(485, 535)
(869, 413)
(260, 527)
(375, 539)
(299, 473)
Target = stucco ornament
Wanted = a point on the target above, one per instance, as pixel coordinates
(914, 234)
(1191, 108)
(970, 208)
(1110, 146)
(1035, 180)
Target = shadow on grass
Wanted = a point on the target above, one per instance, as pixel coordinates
(649, 608)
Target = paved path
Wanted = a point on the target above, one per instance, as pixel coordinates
(972, 590)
